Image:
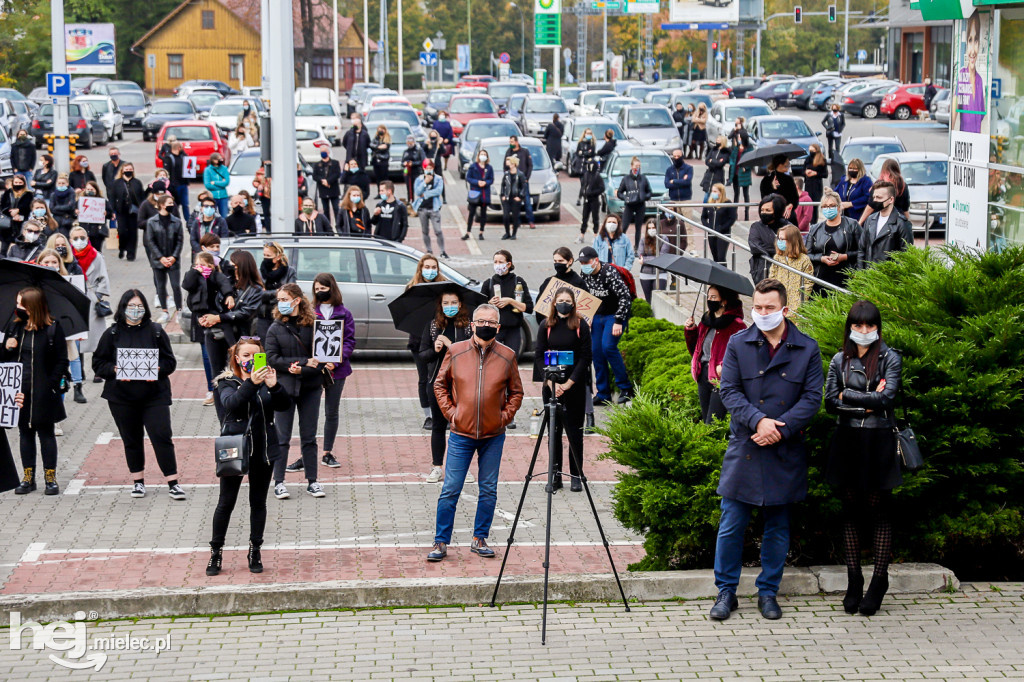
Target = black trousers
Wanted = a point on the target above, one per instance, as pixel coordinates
(511, 337)
(265, 205)
(217, 352)
(332, 413)
(330, 205)
(719, 249)
(511, 214)
(260, 474)
(422, 379)
(160, 278)
(133, 423)
(438, 431)
(308, 406)
(711, 405)
(380, 172)
(574, 401)
(127, 235)
(473, 210)
(591, 210)
(635, 215)
(47, 444)
(833, 145)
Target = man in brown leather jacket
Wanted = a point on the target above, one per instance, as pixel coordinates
(479, 391)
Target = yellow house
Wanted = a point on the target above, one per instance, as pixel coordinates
(220, 40)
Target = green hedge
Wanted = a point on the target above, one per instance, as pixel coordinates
(957, 318)
(412, 81)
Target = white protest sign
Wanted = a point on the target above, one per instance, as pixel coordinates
(586, 303)
(10, 386)
(190, 168)
(138, 364)
(92, 210)
(328, 338)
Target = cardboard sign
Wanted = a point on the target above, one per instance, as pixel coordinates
(328, 339)
(138, 364)
(586, 304)
(190, 168)
(10, 386)
(92, 210)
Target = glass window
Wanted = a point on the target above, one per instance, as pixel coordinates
(310, 261)
(246, 165)
(389, 267)
(314, 110)
(207, 19)
(650, 118)
(175, 66)
(190, 133)
(172, 106)
(236, 66)
(545, 106)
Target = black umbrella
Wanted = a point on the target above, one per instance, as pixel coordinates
(415, 308)
(763, 155)
(704, 271)
(68, 305)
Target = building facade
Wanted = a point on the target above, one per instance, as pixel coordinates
(918, 49)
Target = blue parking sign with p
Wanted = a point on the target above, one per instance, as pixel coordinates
(58, 85)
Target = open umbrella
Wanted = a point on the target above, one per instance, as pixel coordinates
(67, 304)
(412, 311)
(762, 155)
(704, 271)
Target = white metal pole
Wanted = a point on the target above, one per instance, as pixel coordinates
(241, 75)
(401, 61)
(334, 68)
(366, 41)
(846, 37)
(557, 59)
(61, 146)
(282, 119)
(606, 74)
(265, 49)
(757, 54)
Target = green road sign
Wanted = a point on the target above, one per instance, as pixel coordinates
(606, 4)
(547, 29)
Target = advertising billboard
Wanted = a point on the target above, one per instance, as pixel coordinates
(90, 48)
(703, 11)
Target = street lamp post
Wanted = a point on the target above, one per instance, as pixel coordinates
(522, 38)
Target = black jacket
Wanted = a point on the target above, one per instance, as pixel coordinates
(23, 251)
(136, 393)
(786, 190)
(239, 321)
(585, 151)
(380, 157)
(717, 160)
(553, 140)
(392, 222)
(609, 286)
(571, 277)
(606, 150)
(240, 223)
(348, 225)
(23, 155)
(356, 144)
(426, 350)
(125, 194)
(174, 164)
(859, 394)
(63, 207)
(896, 235)
(288, 343)
(360, 179)
(560, 337)
(505, 286)
(634, 190)
(272, 281)
(205, 296)
(836, 125)
(592, 182)
(163, 242)
(77, 179)
(761, 240)
(244, 400)
(24, 206)
(44, 358)
(720, 220)
(513, 186)
(44, 182)
(434, 152)
(846, 238)
(525, 160)
(330, 171)
(319, 225)
(109, 174)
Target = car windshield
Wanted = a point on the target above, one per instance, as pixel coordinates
(246, 164)
(478, 131)
(516, 101)
(613, 107)
(650, 164)
(649, 118)
(47, 110)
(99, 105)
(204, 98)
(407, 115)
(473, 105)
(171, 107)
(110, 86)
(695, 100)
(439, 97)
(537, 155)
(599, 131)
(129, 99)
(661, 97)
(545, 106)
(869, 152)
(314, 110)
(189, 133)
(302, 135)
(925, 172)
(226, 109)
(398, 132)
(592, 99)
(730, 114)
(506, 89)
(778, 129)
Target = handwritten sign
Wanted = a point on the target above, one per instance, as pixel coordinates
(190, 168)
(586, 304)
(92, 210)
(138, 364)
(328, 339)
(10, 386)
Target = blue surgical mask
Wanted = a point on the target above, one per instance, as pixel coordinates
(450, 310)
(587, 268)
(780, 244)
(39, 212)
(284, 307)
(830, 212)
(208, 211)
(714, 196)
(429, 274)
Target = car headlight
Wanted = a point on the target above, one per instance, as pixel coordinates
(550, 186)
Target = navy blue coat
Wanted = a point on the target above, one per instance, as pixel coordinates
(788, 388)
(679, 182)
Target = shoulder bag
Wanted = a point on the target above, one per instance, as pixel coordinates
(233, 452)
(908, 452)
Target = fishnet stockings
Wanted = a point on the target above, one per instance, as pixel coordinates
(874, 506)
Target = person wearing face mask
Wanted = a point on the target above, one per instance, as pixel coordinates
(412, 166)
(707, 342)
(864, 379)
(163, 240)
(80, 172)
(427, 270)
(311, 221)
(699, 136)
(240, 221)
(514, 190)
(207, 222)
(111, 169)
(62, 246)
(586, 152)
(634, 192)
(23, 155)
(444, 129)
(716, 161)
(429, 192)
(63, 204)
(240, 141)
(834, 124)
(29, 244)
(719, 218)
(765, 464)
(526, 168)
(433, 149)
(565, 329)
(682, 122)
(380, 154)
(140, 408)
(216, 179)
(208, 289)
(150, 207)
(833, 244)
(479, 391)
(327, 176)
(355, 218)
(553, 139)
(508, 292)
(479, 178)
(249, 120)
(356, 141)
(790, 250)
(98, 232)
(172, 159)
(45, 179)
(449, 325)
(609, 323)
(37, 341)
(274, 271)
(126, 198)
(815, 175)
(612, 246)
(16, 204)
(763, 233)
(679, 178)
(97, 284)
(650, 247)
(779, 180)
(854, 189)
(885, 230)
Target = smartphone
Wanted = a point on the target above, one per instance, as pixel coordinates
(259, 361)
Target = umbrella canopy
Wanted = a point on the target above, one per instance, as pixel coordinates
(68, 305)
(763, 155)
(415, 308)
(704, 271)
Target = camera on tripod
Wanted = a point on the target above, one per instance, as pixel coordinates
(558, 365)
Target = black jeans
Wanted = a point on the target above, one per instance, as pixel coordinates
(511, 337)
(422, 379)
(711, 405)
(160, 278)
(308, 405)
(260, 474)
(511, 213)
(591, 210)
(133, 423)
(649, 285)
(574, 401)
(217, 353)
(634, 214)
(380, 172)
(332, 409)
(127, 234)
(330, 205)
(736, 189)
(47, 444)
(473, 209)
(719, 249)
(833, 145)
(438, 431)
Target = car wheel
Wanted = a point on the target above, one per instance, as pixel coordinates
(772, 104)
(88, 142)
(903, 112)
(870, 111)
(120, 135)
(104, 139)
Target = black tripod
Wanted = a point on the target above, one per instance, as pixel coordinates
(554, 413)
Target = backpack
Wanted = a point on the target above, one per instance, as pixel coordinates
(627, 276)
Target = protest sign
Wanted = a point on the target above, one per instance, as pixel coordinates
(10, 386)
(138, 364)
(586, 304)
(92, 210)
(190, 167)
(328, 338)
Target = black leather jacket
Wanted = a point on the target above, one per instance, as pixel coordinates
(846, 238)
(859, 394)
(896, 235)
(513, 186)
(163, 242)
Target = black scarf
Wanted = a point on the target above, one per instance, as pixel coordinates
(273, 279)
(712, 322)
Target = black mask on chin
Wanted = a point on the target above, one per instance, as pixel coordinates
(485, 333)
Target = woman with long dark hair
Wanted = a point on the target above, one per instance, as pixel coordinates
(139, 407)
(251, 397)
(275, 271)
(36, 340)
(126, 196)
(509, 292)
(815, 174)
(427, 270)
(707, 342)
(208, 289)
(891, 172)
(863, 381)
(450, 325)
(329, 305)
(223, 329)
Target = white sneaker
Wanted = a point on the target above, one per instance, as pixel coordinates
(469, 478)
(139, 490)
(281, 491)
(57, 430)
(315, 489)
(209, 399)
(163, 318)
(435, 475)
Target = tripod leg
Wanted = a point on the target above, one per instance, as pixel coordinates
(519, 510)
(553, 411)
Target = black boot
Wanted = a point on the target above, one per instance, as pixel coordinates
(255, 560)
(216, 559)
(876, 592)
(28, 482)
(50, 477)
(556, 481)
(79, 396)
(589, 427)
(854, 589)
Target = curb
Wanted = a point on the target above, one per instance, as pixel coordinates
(399, 592)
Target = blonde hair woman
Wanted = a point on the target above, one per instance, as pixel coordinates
(790, 249)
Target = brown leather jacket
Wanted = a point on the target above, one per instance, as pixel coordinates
(478, 389)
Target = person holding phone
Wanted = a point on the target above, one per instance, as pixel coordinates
(833, 243)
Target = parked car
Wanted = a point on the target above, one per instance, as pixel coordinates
(741, 85)
(398, 130)
(6, 168)
(804, 88)
(80, 85)
(133, 106)
(867, 102)
(774, 93)
(570, 94)
(397, 113)
(649, 125)
(942, 110)
(82, 121)
(198, 138)
(926, 175)
(109, 113)
(105, 87)
(641, 90)
(310, 141)
(14, 118)
(545, 190)
(203, 101)
(513, 107)
(904, 101)
(470, 106)
(610, 106)
(620, 87)
(243, 167)
(437, 100)
(187, 87)
(354, 95)
(474, 82)
(673, 83)
(39, 97)
(662, 97)
(164, 111)
(372, 103)
(225, 112)
(574, 128)
(867, 149)
(688, 98)
(538, 111)
(323, 115)
(765, 131)
(942, 95)
(723, 114)
(822, 95)
(653, 164)
(478, 130)
(717, 90)
(589, 101)
(500, 91)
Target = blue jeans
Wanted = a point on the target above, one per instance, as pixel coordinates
(222, 207)
(729, 550)
(529, 208)
(605, 347)
(181, 198)
(207, 367)
(460, 454)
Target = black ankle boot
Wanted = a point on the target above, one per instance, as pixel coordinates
(876, 592)
(50, 477)
(255, 560)
(216, 559)
(28, 482)
(854, 590)
(556, 482)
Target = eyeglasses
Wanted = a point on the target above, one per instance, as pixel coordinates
(249, 338)
(485, 323)
(33, 231)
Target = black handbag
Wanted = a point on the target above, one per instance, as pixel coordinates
(907, 449)
(102, 308)
(233, 452)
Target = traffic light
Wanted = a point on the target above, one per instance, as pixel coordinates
(714, 46)
(798, 14)
(832, 14)
(839, 50)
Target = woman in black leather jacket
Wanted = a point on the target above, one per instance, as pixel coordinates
(863, 381)
(832, 243)
(225, 328)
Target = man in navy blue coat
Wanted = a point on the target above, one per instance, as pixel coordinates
(771, 383)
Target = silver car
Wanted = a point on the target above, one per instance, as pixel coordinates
(545, 190)
(589, 101)
(926, 175)
(399, 131)
(609, 108)
(649, 125)
(6, 169)
(723, 114)
(108, 112)
(537, 113)
(478, 129)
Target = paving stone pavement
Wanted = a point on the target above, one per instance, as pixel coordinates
(974, 634)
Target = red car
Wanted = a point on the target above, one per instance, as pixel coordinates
(474, 81)
(468, 107)
(904, 102)
(199, 139)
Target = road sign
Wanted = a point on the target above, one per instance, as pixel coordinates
(997, 88)
(862, 55)
(428, 58)
(719, 56)
(428, 45)
(649, 61)
(58, 85)
(440, 43)
(642, 6)
(504, 58)
(547, 29)
(151, 60)
(547, 7)
(606, 4)
(462, 55)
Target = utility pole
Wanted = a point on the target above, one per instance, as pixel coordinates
(469, 31)
(604, 54)
(283, 153)
(264, 50)
(61, 144)
(366, 41)
(846, 37)
(401, 61)
(334, 23)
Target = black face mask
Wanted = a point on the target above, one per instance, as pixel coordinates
(677, 162)
(129, 174)
(236, 209)
(323, 296)
(714, 306)
(561, 268)
(22, 314)
(268, 263)
(563, 308)
(768, 218)
(876, 205)
(485, 333)
(852, 173)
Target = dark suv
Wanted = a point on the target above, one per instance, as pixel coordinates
(82, 121)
